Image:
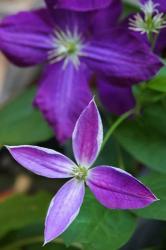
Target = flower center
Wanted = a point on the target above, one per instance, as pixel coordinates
(80, 173)
(68, 47)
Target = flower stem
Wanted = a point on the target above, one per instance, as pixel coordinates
(120, 157)
(115, 125)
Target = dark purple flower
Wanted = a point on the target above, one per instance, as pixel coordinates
(80, 5)
(72, 45)
(112, 187)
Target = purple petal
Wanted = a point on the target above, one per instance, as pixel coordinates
(66, 20)
(115, 98)
(88, 136)
(80, 5)
(64, 208)
(105, 18)
(25, 37)
(120, 55)
(161, 43)
(115, 188)
(161, 4)
(43, 161)
(63, 94)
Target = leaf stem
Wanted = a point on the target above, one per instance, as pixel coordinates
(115, 125)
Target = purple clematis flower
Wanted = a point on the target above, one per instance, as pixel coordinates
(72, 45)
(112, 187)
(80, 5)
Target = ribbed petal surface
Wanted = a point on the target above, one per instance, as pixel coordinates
(87, 136)
(117, 189)
(63, 209)
(42, 161)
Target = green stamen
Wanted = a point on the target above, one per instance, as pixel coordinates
(80, 173)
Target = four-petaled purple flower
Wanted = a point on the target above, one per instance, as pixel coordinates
(112, 187)
(75, 45)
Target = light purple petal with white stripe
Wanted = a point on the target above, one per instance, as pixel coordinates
(43, 161)
(64, 208)
(88, 136)
(116, 189)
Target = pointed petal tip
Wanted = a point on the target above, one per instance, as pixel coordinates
(92, 101)
(154, 198)
(46, 241)
(151, 197)
(9, 148)
(44, 244)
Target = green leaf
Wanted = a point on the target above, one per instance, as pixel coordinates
(21, 123)
(21, 210)
(98, 228)
(51, 246)
(157, 183)
(30, 238)
(144, 143)
(146, 96)
(159, 82)
(154, 115)
(130, 7)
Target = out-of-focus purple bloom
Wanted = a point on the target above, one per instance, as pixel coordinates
(151, 21)
(161, 4)
(111, 186)
(157, 8)
(74, 45)
(80, 5)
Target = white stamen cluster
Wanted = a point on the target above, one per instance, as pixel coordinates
(67, 46)
(151, 22)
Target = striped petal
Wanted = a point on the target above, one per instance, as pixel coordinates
(116, 189)
(64, 208)
(88, 136)
(43, 161)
